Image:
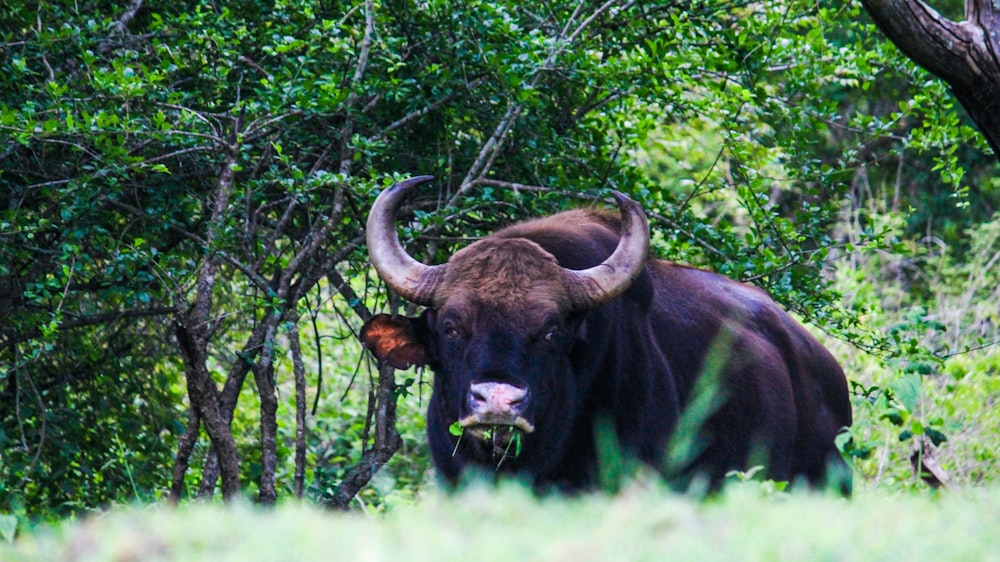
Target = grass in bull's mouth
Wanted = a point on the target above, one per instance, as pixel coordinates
(500, 438)
(514, 440)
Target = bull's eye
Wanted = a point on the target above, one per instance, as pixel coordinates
(551, 336)
(452, 331)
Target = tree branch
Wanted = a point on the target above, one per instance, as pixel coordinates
(185, 446)
(263, 372)
(924, 35)
(95, 319)
(299, 370)
(126, 18)
(425, 110)
(962, 54)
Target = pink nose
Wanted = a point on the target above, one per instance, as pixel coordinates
(497, 401)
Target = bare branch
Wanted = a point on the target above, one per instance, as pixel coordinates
(317, 237)
(169, 155)
(489, 151)
(350, 297)
(272, 237)
(251, 62)
(201, 116)
(366, 45)
(513, 186)
(96, 319)
(259, 128)
(425, 110)
(586, 23)
(478, 168)
(126, 18)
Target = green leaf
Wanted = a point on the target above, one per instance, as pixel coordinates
(907, 390)
(936, 437)
(894, 415)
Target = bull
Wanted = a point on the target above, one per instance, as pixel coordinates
(549, 330)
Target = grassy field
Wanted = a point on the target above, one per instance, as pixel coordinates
(642, 523)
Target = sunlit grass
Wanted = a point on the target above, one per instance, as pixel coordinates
(644, 522)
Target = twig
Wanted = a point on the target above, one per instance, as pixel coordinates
(346, 152)
(317, 338)
(41, 432)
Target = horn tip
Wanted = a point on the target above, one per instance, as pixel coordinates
(393, 195)
(410, 182)
(624, 201)
(628, 206)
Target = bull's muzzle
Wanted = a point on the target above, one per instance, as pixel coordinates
(497, 403)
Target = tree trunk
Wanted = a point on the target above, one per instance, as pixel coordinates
(184, 448)
(963, 54)
(204, 398)
(194, 329)
(268, 436)
(209, 474)
(228, 400)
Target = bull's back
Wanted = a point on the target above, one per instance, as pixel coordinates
(781, 378)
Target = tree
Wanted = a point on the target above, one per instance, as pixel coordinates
(964, 54)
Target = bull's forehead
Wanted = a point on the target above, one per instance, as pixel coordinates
(505, 274)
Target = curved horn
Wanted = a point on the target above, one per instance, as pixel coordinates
(597, 285)
(414, 281)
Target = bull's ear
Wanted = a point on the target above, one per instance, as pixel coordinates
(394, 340)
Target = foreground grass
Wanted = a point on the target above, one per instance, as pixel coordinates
(480, 525)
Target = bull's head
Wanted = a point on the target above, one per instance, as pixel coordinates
(502, 316)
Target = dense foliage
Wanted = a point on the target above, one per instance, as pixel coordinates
(183, 190)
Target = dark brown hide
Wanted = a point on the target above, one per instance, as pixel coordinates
(502, 318)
